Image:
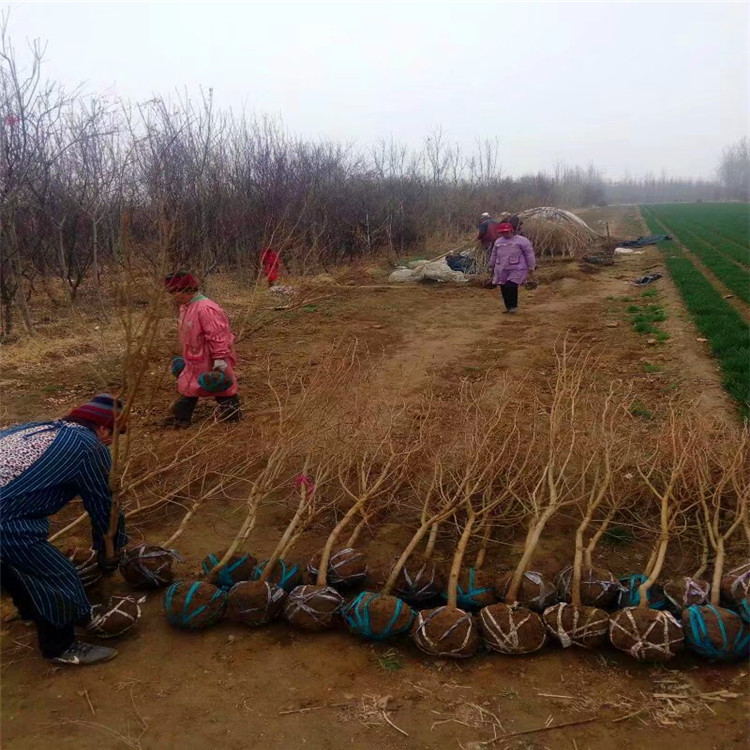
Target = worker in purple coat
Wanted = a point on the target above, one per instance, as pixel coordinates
(512, 261)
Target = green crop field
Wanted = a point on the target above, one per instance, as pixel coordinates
(717, 234)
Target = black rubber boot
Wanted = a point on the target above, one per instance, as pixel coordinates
(229, 408)
(182, 412)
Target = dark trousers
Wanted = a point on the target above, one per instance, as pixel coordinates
(509, 290)
(53, 641)
(229, 408)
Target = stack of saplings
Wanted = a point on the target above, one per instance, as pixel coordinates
(512, 627)
(259, 601)
(580, 620)
(377, 462)
(646, 633)
(710, 630)
(483, 449)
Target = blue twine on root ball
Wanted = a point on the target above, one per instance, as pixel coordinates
(177, 366)
(357, 617)
(631, 596)
(185, 618)
(744, 610)
(467, 597)
(214, 381)
(224, 578)
(698, 639)
(289, 574)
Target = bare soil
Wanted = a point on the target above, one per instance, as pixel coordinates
(233, 687)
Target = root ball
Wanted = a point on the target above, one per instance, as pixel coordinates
(115, 617)
(148, 566)
(345, 567)
(285, 575)
(536, 592)
(86, 565)
(586, 627)
(599, 587)
(419, 581)
(684, 592)
(512, 630)
(255, 603)
(194, 604)
(378, 616)
(239, 568)
(313, 607)
(646, 634)
(716, 633)
(446, 631)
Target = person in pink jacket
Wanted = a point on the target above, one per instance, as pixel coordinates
(511, 262)
(207, 351)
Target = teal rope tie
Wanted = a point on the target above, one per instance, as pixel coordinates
(469, 597)
(186, 617)
(632, 584)
(224, 579)
(289, 574)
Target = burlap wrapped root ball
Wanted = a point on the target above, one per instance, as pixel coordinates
(446, 631)
(735, 586)
(86, 564)
(313, 608)
(512, 630)
(587, 627)
(684, 592)
(378, 616)
(475, 589)
(194, 604)
(599, 587)
(646, 634)
(114, 617)
(148, 566)
(629, 594)
(239, 568)
(255, 603)
(419, 581)
(536, 592)
(715, 633)
(285, 575)
(346, 567)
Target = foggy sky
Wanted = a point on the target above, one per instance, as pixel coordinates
(636, 87)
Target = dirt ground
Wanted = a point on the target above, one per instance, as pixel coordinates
(273, 688)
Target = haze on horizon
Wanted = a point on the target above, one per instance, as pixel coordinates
(631, 88)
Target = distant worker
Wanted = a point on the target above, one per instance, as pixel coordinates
(271, 262)
(511, 262)
(487, 231)
(43, 466)
(206, 368)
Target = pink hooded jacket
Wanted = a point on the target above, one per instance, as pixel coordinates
(511, 260)
(205, 336)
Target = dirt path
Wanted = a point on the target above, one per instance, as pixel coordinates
(278, 689)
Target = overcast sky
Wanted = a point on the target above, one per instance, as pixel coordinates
(632, 87)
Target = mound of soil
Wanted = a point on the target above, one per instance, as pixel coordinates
(685, 591)
(286, 575)
(86, 565)
(475, 589)
(599, 587)
(419, 581)
(716, 633)
(345, 567)
(114, 618)
(735, 585)
(239, 568)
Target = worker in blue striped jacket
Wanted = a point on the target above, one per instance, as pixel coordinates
(43, 466)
